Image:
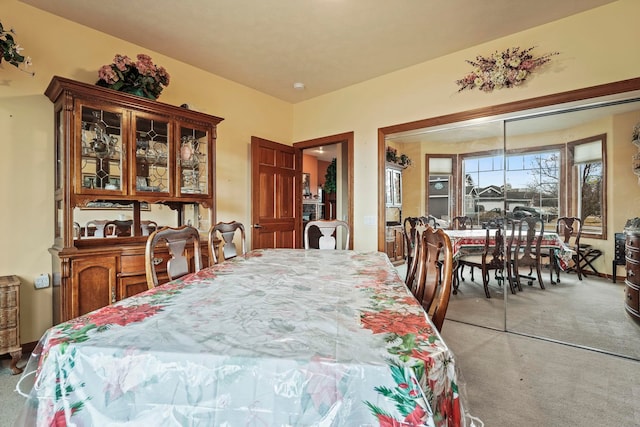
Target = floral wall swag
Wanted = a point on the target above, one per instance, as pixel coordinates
(142, 77)
(502, 69)
(10, 50)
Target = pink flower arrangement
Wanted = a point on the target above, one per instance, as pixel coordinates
(502, 69)
(141, 77)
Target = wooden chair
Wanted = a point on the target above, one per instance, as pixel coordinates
(461, 223)
(434, 280)
(328, 228)
(527, 250)
(98, 227)
(569, 229)
(116, 228)
(429, 220)
(226, 230)
(491, 259)
(512, 227)
(176, 240)
(148, 227)
(415, 269)
(409, 232)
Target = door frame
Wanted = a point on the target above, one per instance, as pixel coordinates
(341, 138)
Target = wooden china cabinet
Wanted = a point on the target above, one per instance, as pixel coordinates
(113, 149)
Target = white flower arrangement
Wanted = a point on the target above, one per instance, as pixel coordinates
(502, 69)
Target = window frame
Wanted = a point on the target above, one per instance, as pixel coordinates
(573, 182)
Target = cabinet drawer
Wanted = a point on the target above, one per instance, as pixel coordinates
(633, 241)
(632, 254)
(135, 264)
(9, 318)
(633, 272)
(8, 298)
(9, 338)
(631, 297)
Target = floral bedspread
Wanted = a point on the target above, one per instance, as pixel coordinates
(282, 337)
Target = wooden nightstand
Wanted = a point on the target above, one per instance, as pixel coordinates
(10, 320)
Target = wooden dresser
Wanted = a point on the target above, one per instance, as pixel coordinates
(632, 259)
(10, 320)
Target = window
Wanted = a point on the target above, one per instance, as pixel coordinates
(440, 194)
(588, 184)
(483, 185)
(533, 180)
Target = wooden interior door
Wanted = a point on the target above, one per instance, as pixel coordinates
(276, 196)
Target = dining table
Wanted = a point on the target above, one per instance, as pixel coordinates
(465, 242)
(278, 337)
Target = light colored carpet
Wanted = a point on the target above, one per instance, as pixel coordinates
(589, 313)
(511, 380)
(12, 402)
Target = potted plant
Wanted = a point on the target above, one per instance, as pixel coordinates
(330, 178)
(142, 77)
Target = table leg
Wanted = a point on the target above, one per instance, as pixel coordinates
(15, 357)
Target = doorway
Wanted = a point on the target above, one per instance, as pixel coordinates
(323, 199)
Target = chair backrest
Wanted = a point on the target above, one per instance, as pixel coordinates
(118, 227)
(148, 227)
(569, 229)
(177, 241)
(435, 289)
(227, 231)
(429, 220)
(409, 231)
(416, 271)
(530, 233)
(328, 228)
(493, 254)
(461, 223)
(512, 227)
(98, 225)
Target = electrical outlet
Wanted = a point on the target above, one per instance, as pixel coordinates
(42, 281)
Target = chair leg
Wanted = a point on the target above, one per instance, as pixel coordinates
(577, 259)
(512, 285)
(456, 280)
(516, 274)
(552, 265)
(485, 282)
(539, 271)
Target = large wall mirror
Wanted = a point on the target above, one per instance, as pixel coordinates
(566, 155)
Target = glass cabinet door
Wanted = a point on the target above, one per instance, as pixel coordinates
(101, 150)
(153, 157)
(194, 155)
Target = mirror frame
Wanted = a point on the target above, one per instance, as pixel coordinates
(484, 112)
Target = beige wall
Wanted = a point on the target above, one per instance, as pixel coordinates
(59, 47)
(587, 57)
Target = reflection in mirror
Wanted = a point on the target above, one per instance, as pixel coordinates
(109, 219)
(457, 171)
(569, 160)
(577, 163)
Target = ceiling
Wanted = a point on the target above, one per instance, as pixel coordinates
(324, 44)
